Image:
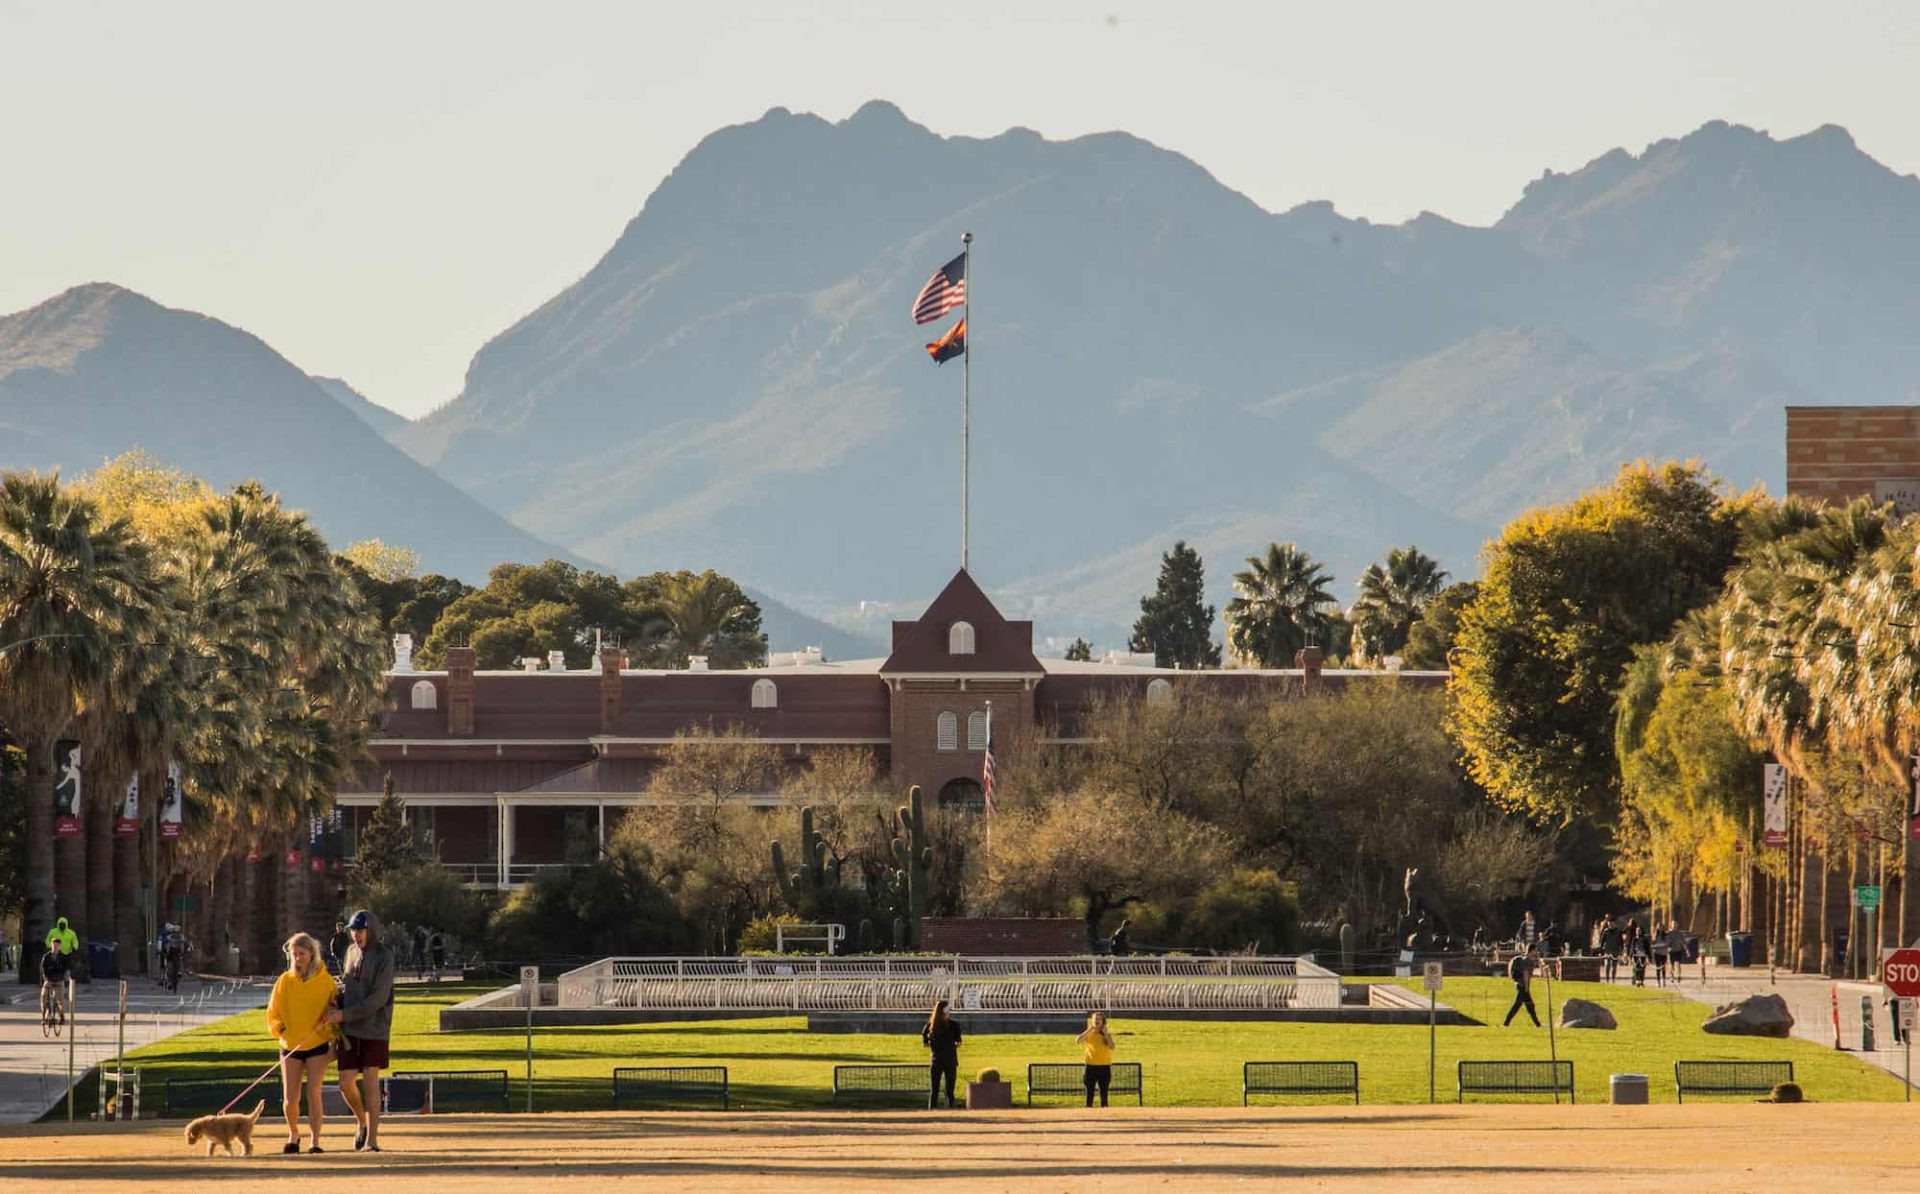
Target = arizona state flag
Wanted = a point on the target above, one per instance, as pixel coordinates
(950, 345)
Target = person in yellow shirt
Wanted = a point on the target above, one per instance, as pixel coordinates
(297, 1016)
(1097, 1043)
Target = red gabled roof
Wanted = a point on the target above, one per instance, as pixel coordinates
(998, 645)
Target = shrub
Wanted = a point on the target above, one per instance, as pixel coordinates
(761, 934)
(427, 894)
(604, 908)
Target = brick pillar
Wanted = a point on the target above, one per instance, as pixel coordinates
(1308, 659)
(460, 691)
(611, 661)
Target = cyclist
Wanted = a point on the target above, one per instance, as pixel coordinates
(53, 977)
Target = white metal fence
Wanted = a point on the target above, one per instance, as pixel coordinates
(1075, 984)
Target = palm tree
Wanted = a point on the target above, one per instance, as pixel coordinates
(1279, 605)
(704, 614)
(77, 586)
(1393, 598)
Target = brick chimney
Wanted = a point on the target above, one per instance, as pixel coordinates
(460, 691)
(1307, 659)
(611, 661)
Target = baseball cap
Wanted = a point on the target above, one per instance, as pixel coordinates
(361, 919)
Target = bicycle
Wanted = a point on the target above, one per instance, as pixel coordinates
(53, 1011)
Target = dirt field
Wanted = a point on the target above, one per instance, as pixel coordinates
(1692, 1149)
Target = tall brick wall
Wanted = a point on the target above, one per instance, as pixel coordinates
(1838, 453)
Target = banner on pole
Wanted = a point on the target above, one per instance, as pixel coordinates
(66, 788)
(1913, 798)
(127, 824)
(170, 804)
(1773, 796)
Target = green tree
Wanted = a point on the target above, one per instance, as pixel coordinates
(1080, 651)
(1569, 591)
(1280, 605)
(1392, 598)
(383, 561)
(1175, 622)
(684, 614)
(74, 588)
(1431, 637)
(386, 844)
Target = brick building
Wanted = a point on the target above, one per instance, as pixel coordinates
(509, 772)
(1838, 453)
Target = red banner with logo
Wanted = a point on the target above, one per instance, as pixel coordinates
(66, 788)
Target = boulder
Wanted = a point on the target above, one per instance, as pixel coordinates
(1756, 1015)
(1584, 1013)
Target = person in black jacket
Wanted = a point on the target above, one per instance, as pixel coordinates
(942, 1035)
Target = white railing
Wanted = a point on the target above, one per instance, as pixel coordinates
(1076, 984)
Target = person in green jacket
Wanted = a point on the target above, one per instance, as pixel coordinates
(64, 934)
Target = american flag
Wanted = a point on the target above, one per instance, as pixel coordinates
(986, 768)
(943, 292)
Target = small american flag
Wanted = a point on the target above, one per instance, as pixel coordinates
(986, 768)
(943, 292)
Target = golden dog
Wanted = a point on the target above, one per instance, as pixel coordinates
(225, 1129)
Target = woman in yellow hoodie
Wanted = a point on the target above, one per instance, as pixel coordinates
(297, 1016)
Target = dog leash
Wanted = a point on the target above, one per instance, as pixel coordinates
(270, 1069)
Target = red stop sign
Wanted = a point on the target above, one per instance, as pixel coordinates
(1902, 973)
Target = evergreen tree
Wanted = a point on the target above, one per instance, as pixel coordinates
(386, 844)
(1079, 651)
(1175, 623)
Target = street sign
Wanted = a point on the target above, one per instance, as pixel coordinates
(1906, 1015)
(1431, 975)
(530, 982)
(1866, 898)
(1902, 973)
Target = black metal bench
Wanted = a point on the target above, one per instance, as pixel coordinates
(1060, 1078)
(460, 1090)
(189, 1098)
(1728, 1077)
(1516, 1077)
(880, 1083)
(669, 1086)
(1299, 1078)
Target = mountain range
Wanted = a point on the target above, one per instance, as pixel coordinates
(737, 383)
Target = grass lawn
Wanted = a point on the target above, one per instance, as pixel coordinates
(777, 1064)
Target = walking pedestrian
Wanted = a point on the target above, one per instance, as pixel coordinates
(297, 1017)
(1637, 952)
(1529, 931)
(337, 947)
(1097, 1045)
(1520, 969)
(942, 1036)
(1118, 945)
(1608, 937)
(365, 1019)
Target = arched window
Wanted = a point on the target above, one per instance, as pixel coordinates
(976, 731)
(765, 696)
(425, 695)
(960, 639)
(1159, 692)
(947, 732)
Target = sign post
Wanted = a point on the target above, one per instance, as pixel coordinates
(530, 991)
(73, 1030)
(1901, 974)
(1431, 977)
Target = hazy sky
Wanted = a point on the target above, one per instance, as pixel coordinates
(376, 189)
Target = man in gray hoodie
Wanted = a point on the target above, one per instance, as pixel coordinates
(365, 1017)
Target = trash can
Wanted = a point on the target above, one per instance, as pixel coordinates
(1627, 1088)
(1740, 949)
(103, 958)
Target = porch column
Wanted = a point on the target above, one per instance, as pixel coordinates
(505, 862)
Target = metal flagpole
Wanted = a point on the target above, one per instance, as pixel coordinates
(966, 386)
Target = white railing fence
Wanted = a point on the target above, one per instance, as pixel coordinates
(1074, 984)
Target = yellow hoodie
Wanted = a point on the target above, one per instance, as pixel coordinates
(296, 1011)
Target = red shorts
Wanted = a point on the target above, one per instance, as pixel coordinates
(359, 1053)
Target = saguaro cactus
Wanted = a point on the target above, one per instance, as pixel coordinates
(817, 874)
(913, 858)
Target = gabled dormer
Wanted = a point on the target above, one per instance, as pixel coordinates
(961, 633)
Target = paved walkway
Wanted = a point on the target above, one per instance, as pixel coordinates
(1810, 998)
(33, 1068)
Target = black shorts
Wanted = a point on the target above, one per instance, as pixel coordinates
(1098, 1075)
(303, 1054)
(359, 1053)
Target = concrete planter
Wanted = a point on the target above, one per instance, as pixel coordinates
(989, 1096)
